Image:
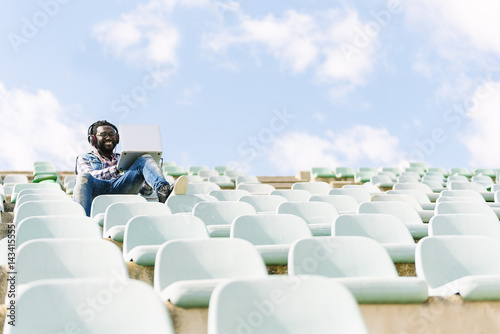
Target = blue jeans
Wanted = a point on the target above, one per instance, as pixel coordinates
(143, 169)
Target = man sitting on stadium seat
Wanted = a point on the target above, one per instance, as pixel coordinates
(98, 174)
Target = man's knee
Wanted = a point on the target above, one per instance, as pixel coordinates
(83, 178)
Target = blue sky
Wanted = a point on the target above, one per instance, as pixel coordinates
(269, 87)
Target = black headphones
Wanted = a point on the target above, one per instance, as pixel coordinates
(92, 138)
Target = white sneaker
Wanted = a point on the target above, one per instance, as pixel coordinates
(181, 185)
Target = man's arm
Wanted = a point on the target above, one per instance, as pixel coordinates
(83, 165)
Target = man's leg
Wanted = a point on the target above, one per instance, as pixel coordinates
(87, 188)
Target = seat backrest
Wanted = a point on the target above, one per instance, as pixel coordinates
(270, 229)
(464, 207)
(194, 170)
(228, 194)
(340, 257)
(40, 191)
(199, 259)
(443, 259)
(343, 203)
(380, 179)
(396, 198)
(68, 258)
(256, 188)
(383, 228)
(118, 214)
(220, 179)
(458, 178)
(186, 203)
(459, 199)
(92, 305)
(419, 195)
(21, 186)
(43, 227)
(316, 305)
(458, 185)
(59, 195)
(403, 178)
(311, 212)
(207, 173)
(464, 224)
(462, 193)
(263, 203)
(15, 178)
(315, 188)
(247, 179)
(407, 213)
(360, 194)
(47, 208)
(101, 202)
(221, 213)
(156, 230)
(203, 188)
(413, 186)
(293, 195)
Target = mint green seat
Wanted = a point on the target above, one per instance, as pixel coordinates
(467, 206)
(186, 203)
(464, 193)
(233, 174)
(485, 171)
(263, 203)
(464, 224)
(293, 195)
(363, 176)
(417, 186)
(315, 188)
(90, 305)
(460, 171)
(222, 181)
(408, 177)
(175, 171)
(387, 229)
(322, 172)
(425, 215)
(247, 179)
(285, 305)
(69, 184)
(369, 169)
(193, 170)
(205, 174)
(343, 203)
(272, 234)
(48, 208)
(419, 195)
(319, 216)
(221, 169)
(460, 185)
(218, 216)
(382, 181)
(344, 172)
(256, 188)
(15, 179)
(42, 259)
(203, 188)
(407, 213)
(419, 170)
(52, 227)
(419, 164)
(145, 234)
(484, 180)
(102, 202)
(118, 214)
(228, 194)
(361, 264)
(394, 170)
(49, 196)
(44, 171)
(187, 271)
(21, 186)
(372, 189)
(467, 265)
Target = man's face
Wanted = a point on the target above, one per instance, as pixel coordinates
(105, 139)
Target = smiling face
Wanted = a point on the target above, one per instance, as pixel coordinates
(106, 140)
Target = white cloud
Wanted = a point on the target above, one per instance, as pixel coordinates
(34, 128)
(481, 136)
(335, 45)
(358, 145)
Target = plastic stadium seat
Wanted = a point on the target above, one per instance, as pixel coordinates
(465, 207)
(407, 213)
(20, 186)
(418, 170)
(484, 180)
(40, 191)
(419, 195)
(468, 265)
(344, 172)
(194, 170)
(187, 271)
(394, 170)
(218, 216)
(458, 185)
(391, 175)
(42, 259)
(256, 188)
(221, 169)
(484, 171)
(322, 172)
(228, 194)
(15, 178)
(439, 170)
(145, 234)
(366, 186)
(98, 306)
(382, 181)
(369, 169)
(51, 196)
(272, 234)
(419, 164)
(361, 195)
(361, 264)
(319, 216)
(232, 174)
(118, 214)
(247, 179)
(48, 208)
(222, 181)
(69, 184)
(464, 224)
(417, 186)
(363, 176)
(293, 195)
(263, 203)
(408, 178)
(203, 188)
(44, 171)
(270, 305)
(205, 174)
(194, 179)
(388, 230)
(175, 171)
(44, 227)
(343, 203)
(425, 215)
(460, 171)
(186, 203)
(101, 203)
(315, 188)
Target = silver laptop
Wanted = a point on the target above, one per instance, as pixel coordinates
(138, 139)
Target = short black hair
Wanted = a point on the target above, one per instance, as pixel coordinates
(101, 123)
